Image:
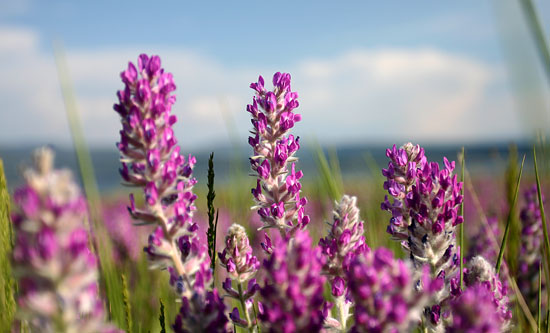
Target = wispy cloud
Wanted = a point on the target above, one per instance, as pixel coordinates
(379, 94)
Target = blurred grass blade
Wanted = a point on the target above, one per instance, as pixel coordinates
(462, 165)
(538, 34)
(510, 213)
(162, 318)
(7, 284)
(127, 305)
(330, 180)
(110, 278)
(212, 221)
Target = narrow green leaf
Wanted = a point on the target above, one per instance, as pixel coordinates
(538, 34)
(162, 318)
(329, 175)
(510, 213)
(212, 227)
(127, 305)
(462, 165)
(7, 287)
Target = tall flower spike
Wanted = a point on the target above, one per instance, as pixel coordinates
(529, 256)
(277, 192)
(344, 242)
(57, 272)
(151, 160)
(425, 216)
(384, 291)
(480, 271)
(292, 295)
(241, 266)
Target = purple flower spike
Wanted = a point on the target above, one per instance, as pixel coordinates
(344, 242)
(293, 288)
(58, 287)
(277, 194)
(202, 313)
(529, 256)
(426, 199)
(383, 289)
(475, 311)
(241, 267)
(151, 160)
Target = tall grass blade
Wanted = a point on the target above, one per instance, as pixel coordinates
(212, 220)
(462, 165)
(110, 278)
(510, 213)
(127, 305)
(162, 318)
(7, 284)
(330, 180)
(538, 34)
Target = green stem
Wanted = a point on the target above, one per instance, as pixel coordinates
(249, 324)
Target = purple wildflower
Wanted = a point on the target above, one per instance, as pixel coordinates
(529, 256)
(242, 266)
(480, 271)
(475, 311)
(425, 214)
(57, 272)
(384, 292)
(344, 242)
(151, 160)
(293, 288)
(277, 191)
(204, 312)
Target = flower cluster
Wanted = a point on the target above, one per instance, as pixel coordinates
(57, 272)
(344, 242)
(384, 291)
(204, 312)
(241, 266)
(475, 311)
(486, 241)
(292, 295)
(480, 271)
(277, 192)
(425, 214)
(531, 240)
(151, 160)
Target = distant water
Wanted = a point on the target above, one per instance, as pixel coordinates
(481, 159)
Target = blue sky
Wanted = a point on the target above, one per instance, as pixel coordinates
(366, 71)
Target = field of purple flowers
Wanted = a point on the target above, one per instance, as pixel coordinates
(422, 246)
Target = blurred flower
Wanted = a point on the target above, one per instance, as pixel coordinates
(127, 239)
(384, 292)
(292, 295)
(425, 215)
(344, 242)
(277, 191)
(151, 160)
(529, 255)
(202, 313)
(57, 272)
(475, 311)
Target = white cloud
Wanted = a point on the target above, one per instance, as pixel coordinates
(379, 94)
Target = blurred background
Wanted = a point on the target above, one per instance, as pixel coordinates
(369, 74)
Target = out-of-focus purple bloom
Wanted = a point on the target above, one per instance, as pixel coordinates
(384, 292)
(344, 242)
(529, 256)
(204, 312)
(485, 242)
(475, 311)
(480, 271)
(127, 239)
(426, 199)
(292, 295)
(241, 265)
(57, 272)
(277, 192)
(151, 160)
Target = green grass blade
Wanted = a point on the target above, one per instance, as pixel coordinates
(330, 180)
(7, 284)
(211, 232)
(462, 165)
(538, 34)
(127, 305)
(162, 318)
(510, 213)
